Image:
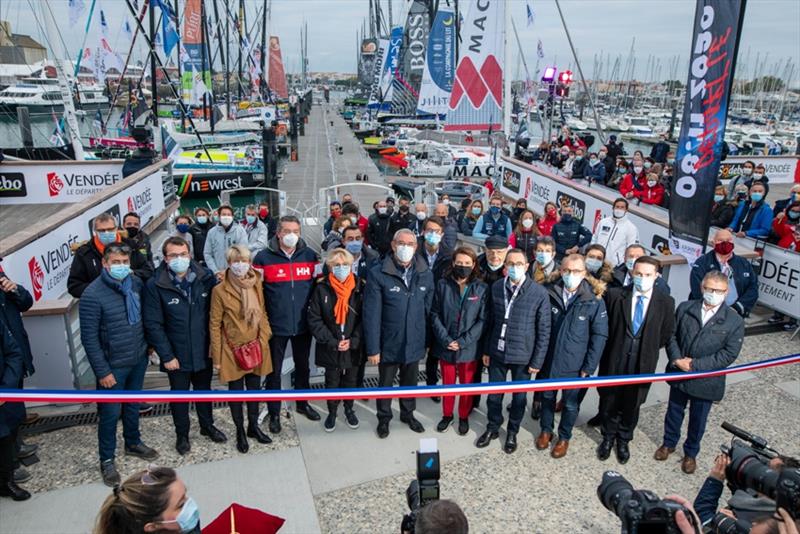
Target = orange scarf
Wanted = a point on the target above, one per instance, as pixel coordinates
(343, 291)
(100, 246)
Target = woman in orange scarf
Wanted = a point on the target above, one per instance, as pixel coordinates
(334, 317)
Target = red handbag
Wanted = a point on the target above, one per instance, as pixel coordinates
(247, 356)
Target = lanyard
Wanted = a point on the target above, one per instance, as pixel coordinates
(510, 303)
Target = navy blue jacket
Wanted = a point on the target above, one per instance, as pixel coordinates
(713, 346)
(595, 173)
(457, 317)
(569, 234)
(744, 278)
(287, 286)
(12, 306)
(528, 330)
(110, 342)
(176, 326)
(578, 331)
(761, 223)
(396, 316)
(11, 369)
(443, 258)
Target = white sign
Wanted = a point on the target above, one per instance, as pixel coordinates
(42, 266)
(779, 280)
(54, 183)
(779, 169)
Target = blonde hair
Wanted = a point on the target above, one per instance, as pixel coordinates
(237, 253)
(336, 254)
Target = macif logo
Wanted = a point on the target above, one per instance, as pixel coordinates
(54, 184)
(37, 277)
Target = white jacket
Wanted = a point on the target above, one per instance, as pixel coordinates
(257, 237)
(219, 241)
(616, 235)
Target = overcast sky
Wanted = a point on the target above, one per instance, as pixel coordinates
(661, 28)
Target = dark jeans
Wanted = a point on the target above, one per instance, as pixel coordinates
(336, 377)
(568, 415)
(498, 372)
(620, 407)
(8, 456)
(131, 379)
(408, 377)
(431, 370)
(253, 383)
(301, 348)
(200, 381)
(698, 415)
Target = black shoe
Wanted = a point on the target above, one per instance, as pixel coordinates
(444, 424)
(274, 424)
(330, 422)
(486, 438)
(182, 445)
(10, 489)
(141, 451)
(350, 417)
(214, 434)
(414, 425)
(254, 431)
(463, 427)
(536, 411)
(623, 452)
(597, 420)
(26, 450)
(511, 443)
(310, 413)
(109, 472)
(437, 400)
(604, 449)
(383, 429)
(241, 440)
(21, 475)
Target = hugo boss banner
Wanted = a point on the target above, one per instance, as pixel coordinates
(715, 44)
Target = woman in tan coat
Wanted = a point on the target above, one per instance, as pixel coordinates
(238, 317)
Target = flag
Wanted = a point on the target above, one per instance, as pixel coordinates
(540, 49)
(76, 9)
(530, 14)
(98, 122)
(58, 133)
(169, 27)
(127, 30)
(103, 23)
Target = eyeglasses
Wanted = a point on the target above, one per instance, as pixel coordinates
(181, 255)
(116, 248)
(572, 271)
(715, 291)
(520, 264)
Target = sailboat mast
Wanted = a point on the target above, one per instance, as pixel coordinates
(178, 53)
(223, 55)
(204, 59)
(507, 73)
(262, 85)
(241, 45)
(227, 64)
(153, 82)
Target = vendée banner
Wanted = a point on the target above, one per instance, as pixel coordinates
(715, 45)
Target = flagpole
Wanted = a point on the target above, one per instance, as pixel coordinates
(83, 43)
(153, 82)
(507, 75)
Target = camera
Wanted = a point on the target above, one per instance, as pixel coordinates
(425, 488)
(640, 511)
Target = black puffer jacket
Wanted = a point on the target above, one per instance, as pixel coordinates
(322, 322)
(457, 317)
(88, 263)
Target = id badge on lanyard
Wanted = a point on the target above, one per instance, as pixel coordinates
(501, 343)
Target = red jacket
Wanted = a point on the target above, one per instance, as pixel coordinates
(546, 224)
(362, 225)
(626, 185)
(650, 195)
(786, 234)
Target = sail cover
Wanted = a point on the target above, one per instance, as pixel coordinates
(440, 65)
(476, 102)
(408, 77)
(277, 76)
(390, 68)
(191, 55)
(378, 69)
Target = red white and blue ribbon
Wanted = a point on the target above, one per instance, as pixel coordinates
(115, 396)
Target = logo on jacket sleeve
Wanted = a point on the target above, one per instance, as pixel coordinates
(395, 289)
(176, 300)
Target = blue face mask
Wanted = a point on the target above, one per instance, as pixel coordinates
(571, 281)
(119, 272)
(432, 238)
(251, 219)
(593, 264)
(189, 517)
(476, 211)
(202, 219)
(544, 258)
(622, 170)
(756, 197)
(494, 210)
(341, 272)
(179, 265)
(516, 273)
(718, 198)
(182, 228)
(354, 247)
(107, 238)
(629, 264)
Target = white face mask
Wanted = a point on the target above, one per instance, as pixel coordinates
(527, 223)
(404, 253)
(421, 215)
(637, 170)
(226, 220)
(651, 183)
(240, 268)
(618, 213)
(446, 202)
(382, 210)
(290, 240)
(713, 299)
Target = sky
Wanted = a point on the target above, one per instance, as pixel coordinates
(602, 30)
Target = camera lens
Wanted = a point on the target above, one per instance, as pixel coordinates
(613, 489)
(749, 471)
(723, 524)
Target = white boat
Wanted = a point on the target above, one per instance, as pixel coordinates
(440, 161)
(576, 124)
(639, 125)
(43, 95)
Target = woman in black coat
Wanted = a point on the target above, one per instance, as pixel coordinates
(457, 321)
(336, 325)
(722, 210)
(11, 414)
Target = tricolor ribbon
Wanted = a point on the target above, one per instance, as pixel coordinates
(68, 396)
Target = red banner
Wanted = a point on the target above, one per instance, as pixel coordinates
(277, 76)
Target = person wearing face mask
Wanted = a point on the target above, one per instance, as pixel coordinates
(183, 226)
(269, 221)
(351, 211)
(473, 213)
(559, 156)
(334, 318)
(659, 151)
(289, 267)
(334, 238)
(742, 280)
(238, 319)
(520, 206)
(634, 180)
(545, 269)
(402, 218)
(569, 163)
(578, 332)
(569, 234)
(457, 320)
(526, 234)
(754, 218)
(641, 321)
(113, 337)
(199, 230)
(740, 179)
(787, 227)
(87, 263)
(759, 176)
(335, 209)
(364, 257)
(175, 310)
(781, 205)
(616, 233)
(708, 336)
(153, 500)
(517, 335)
(139, 240)
(617, 174)
(622, 275)
(256, 230)
(450, 236)
(549, 220)
(378, 228)
(493, 222)
(596, 264)
(595, 171)
(722, 209)
(462, 211)
(652, 191)
(609, 164)
(421, 212)
(451, 210)
(220, 238)
(397, 304)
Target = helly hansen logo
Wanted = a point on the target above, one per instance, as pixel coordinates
(285, 272)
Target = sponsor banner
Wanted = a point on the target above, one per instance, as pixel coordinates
(369, 49)
(440, 65)
(779, 169)
(779, 280)
(277, 76)
(715, 44)
(52, 183)
(42, 266)
(194, 185)
(390, 69)
(378, 69)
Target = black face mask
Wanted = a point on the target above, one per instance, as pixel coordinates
(132, 232)
(403, 209)
(461, 272)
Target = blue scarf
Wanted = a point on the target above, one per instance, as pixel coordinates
(125, 288)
